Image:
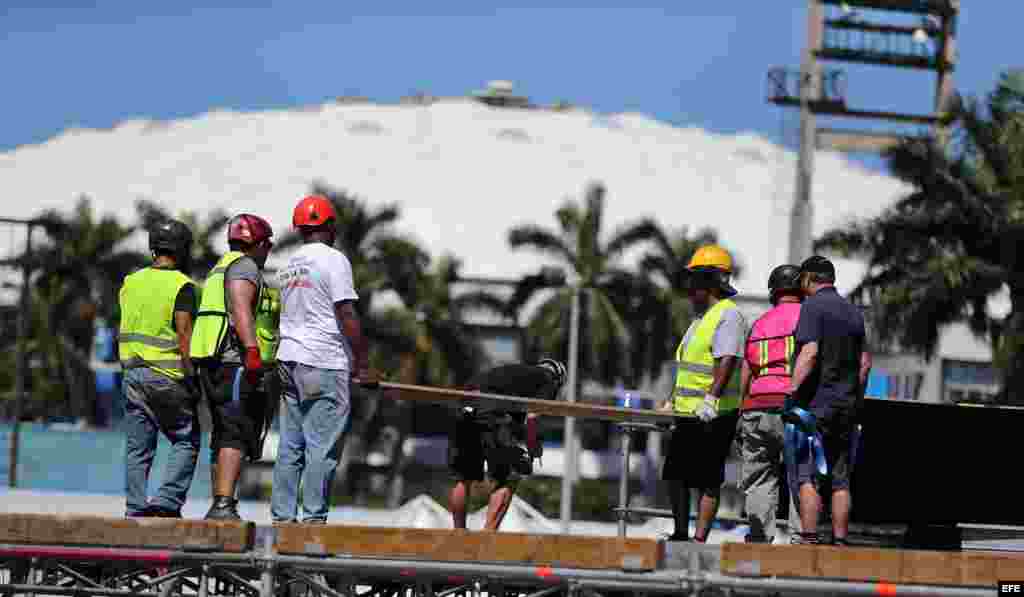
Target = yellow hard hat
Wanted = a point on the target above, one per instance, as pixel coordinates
(711, 256)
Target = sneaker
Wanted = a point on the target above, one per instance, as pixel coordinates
(223, 508)
(804, 539)
(674, 537)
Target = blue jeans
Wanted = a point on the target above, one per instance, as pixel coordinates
(314, 416)
(155, 403)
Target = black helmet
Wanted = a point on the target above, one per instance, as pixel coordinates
(171, 236)
(784, 278)
(556, 368)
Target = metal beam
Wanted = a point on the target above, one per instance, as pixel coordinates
(831, 109)
(922, 7)
(871, 27)
(878, 58)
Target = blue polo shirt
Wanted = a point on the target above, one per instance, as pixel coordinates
(837, 325)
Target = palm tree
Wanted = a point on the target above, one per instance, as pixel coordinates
(658, 311)
(939, 254)
(604, 334)
(205, 232)
(80, 272)
(447, 352)
(381, 260)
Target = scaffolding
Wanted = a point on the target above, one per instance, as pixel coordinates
(847, 36)
(39, 571)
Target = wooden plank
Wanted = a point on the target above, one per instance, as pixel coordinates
(856, 141)
(459, 398)
(156, 533)
(469, 546)
(870, 564)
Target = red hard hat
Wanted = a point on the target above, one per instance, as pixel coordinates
(313, 210)
(249, 229)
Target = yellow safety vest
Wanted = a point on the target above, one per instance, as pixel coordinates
(696, 365)
(210, 334)
(147, 336)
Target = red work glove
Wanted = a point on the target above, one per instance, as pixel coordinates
(253, 365)
(533, 444)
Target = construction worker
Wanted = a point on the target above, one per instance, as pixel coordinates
(233, 346)
(322, 346)
(829, 381)
(764, 385)
(706, 358)
(158, 304)
(483, 433)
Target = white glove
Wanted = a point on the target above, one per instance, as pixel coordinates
(708, 409)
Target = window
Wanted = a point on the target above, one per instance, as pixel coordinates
(969, 381)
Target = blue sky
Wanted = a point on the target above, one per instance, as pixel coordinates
(684, 61)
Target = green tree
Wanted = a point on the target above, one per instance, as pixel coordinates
(447, 351)
(941, 253)
(577, 244)
(381, 260)
(79, 273)
(658, 311)
(207, 247)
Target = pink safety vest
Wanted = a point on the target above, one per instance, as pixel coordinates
(770, 352)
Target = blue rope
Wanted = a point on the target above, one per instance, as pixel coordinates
(236, 389)
(802, 443)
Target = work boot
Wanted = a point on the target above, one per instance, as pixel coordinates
(223, 508)
(154, 511)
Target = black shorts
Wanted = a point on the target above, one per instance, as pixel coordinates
(836, 431)
(240, 423)
(698, 451)
(494, 440)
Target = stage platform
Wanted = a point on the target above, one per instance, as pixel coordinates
(91, 555)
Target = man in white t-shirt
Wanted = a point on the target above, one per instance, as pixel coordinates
(321, 347)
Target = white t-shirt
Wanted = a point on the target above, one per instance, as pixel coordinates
(316, 278)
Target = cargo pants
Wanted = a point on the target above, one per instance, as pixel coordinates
(761, 434)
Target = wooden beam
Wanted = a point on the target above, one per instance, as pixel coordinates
(871, 564)
(856, 141)
(155, 533)
(569, 551)
(459, 398)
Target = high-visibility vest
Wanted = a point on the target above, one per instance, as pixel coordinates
(770, 354)
(147, 336)
(695, 365)
(210, 334)
(268, 323)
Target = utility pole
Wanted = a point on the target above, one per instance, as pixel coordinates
(21, 350)
(801, 227)
(569, 441)
(850, 37)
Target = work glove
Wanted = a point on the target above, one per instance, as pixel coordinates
(367, 378)
(253, 365)
(533, 444)
(708, 409)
